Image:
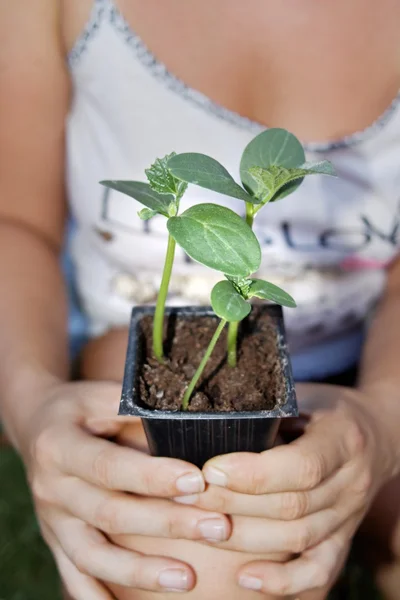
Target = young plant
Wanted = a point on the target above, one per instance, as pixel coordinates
(210, 234)
(160, 196)
(272, 167)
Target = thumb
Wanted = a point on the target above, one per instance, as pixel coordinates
(101, 405)
(307, 400)
(314, 397)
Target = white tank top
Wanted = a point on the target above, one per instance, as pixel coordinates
(328, 244)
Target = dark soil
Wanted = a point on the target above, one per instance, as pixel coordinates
(255, 384)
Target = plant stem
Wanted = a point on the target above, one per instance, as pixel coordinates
(232, 343)
(158, 323)
(197, 375)
(249, 214)
(233, 327)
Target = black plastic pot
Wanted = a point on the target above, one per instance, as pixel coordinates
(198, 436)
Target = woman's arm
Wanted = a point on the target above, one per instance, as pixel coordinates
(34, 97)
(380, 369)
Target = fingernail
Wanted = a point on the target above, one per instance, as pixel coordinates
(174, 580)
(190, 484)
(193, 499)
(215, 476)
(250, 583)
(213, 530)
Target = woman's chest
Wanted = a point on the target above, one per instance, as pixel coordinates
(322, 70)
(130, 108)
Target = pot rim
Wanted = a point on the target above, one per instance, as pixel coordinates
(129, 407)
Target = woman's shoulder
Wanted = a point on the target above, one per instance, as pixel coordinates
(33, 75)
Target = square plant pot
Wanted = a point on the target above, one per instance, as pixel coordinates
(198, 436)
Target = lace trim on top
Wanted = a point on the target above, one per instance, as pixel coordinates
(91, 28)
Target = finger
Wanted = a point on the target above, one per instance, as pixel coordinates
(118, 426)
(286, 506)
(116, 513)
(99, 404)
(269, 536)
(94, 556)
(301, 465)
(309, 398)
(79, 586)
(98, 410)
(108, 465)
(133, 436)
(314, 569)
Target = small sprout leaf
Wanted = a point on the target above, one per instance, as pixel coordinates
(218, 238)
(272, 179)
(161, 179)
(143, 193)
(208, 173)
(272, 147)
(227, 303)
(269, 291)
(242, 284)
(146, 213)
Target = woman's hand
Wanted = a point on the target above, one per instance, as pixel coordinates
(86, 487)
(308, 497)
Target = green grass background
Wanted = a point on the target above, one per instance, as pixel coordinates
(27, 570)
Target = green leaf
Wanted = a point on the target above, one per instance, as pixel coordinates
(162, 180)
(269, 291)
(271, 180)
(146, 213)
(227, 302)
(217, 237)
(271, 147)
(143, 193)
(208, 173)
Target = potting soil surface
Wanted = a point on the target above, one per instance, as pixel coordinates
(256, 383)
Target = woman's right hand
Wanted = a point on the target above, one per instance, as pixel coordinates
(86, 487)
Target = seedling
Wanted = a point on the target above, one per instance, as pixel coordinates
(160, 196)
(272, 167)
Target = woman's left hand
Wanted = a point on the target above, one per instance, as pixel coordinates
(306, 498)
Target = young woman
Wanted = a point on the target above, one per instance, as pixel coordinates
(98, 89)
